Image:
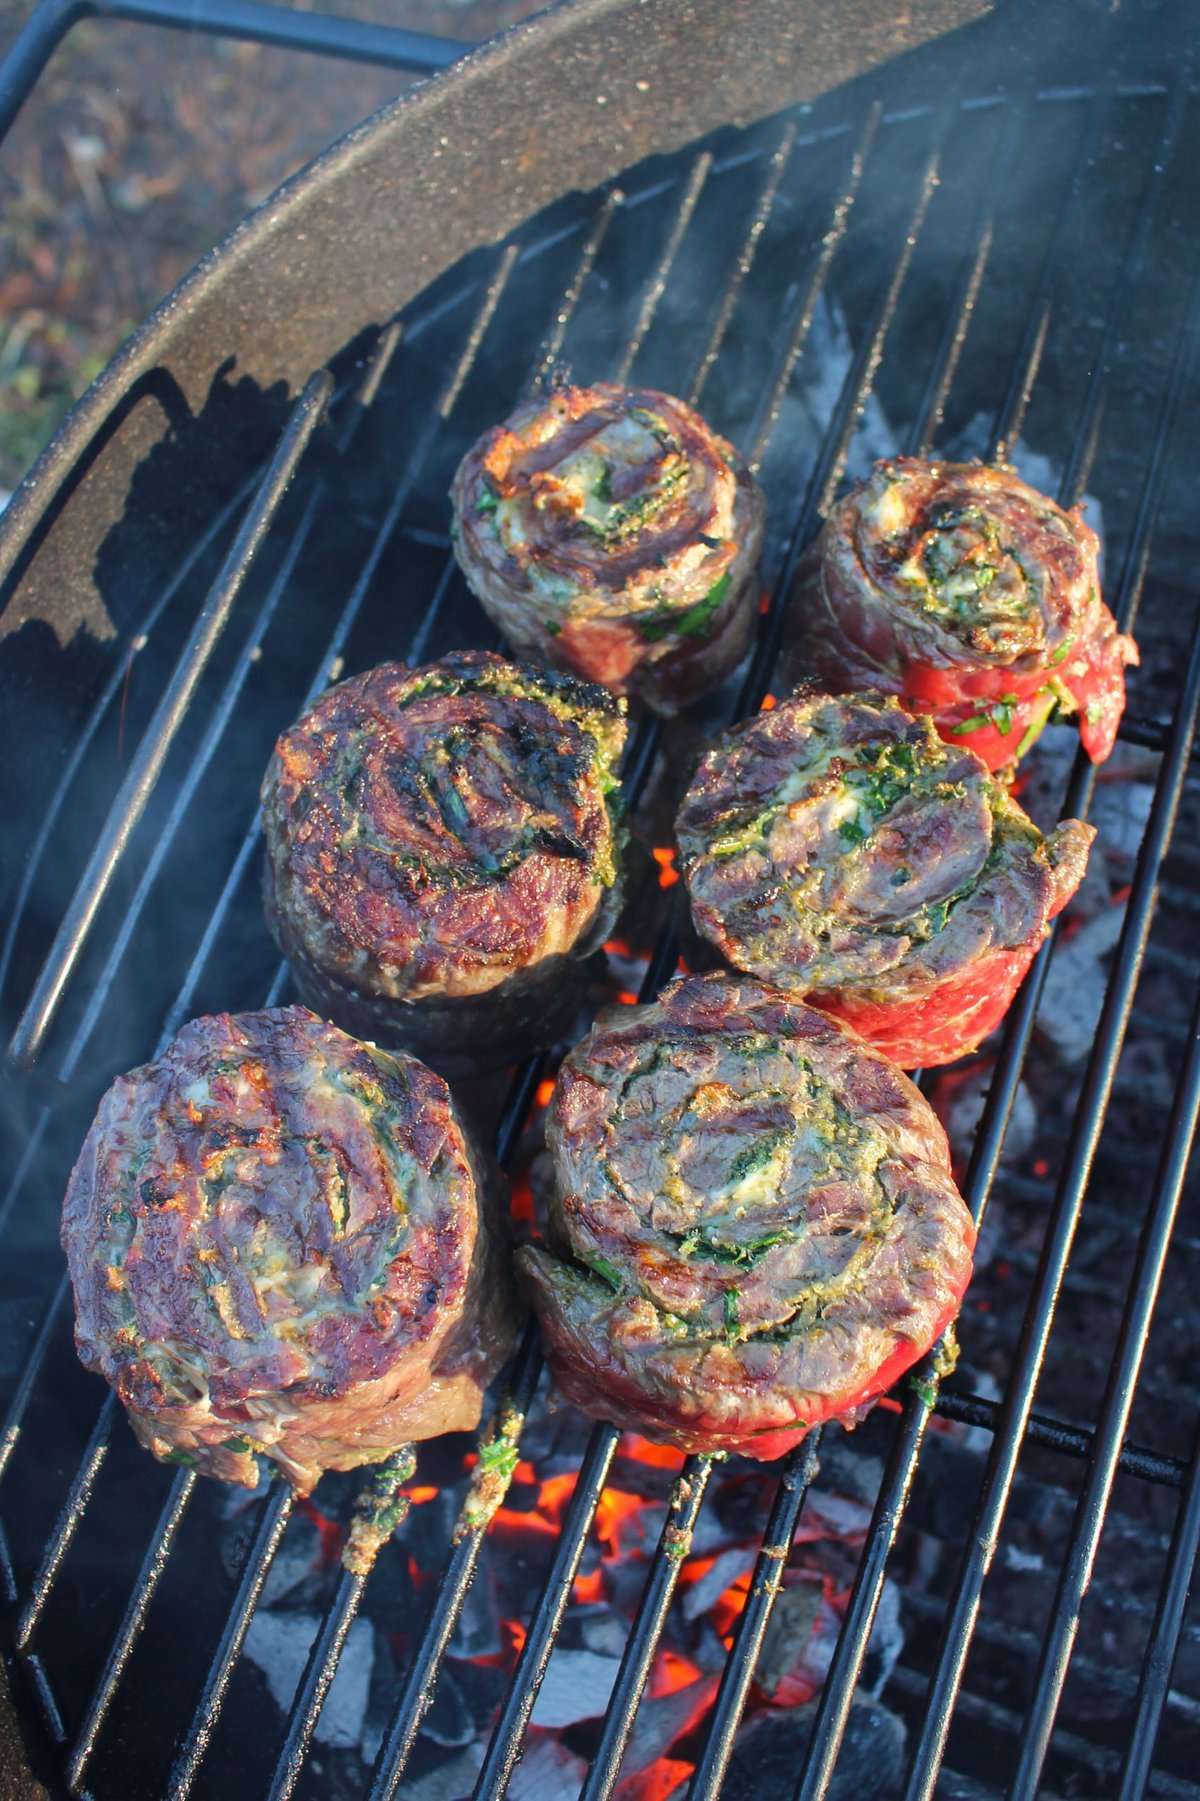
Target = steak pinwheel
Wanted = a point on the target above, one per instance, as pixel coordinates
(971, 597)
(609, 531)
(839, 849)
(754, 1226)
(443, 853)
(282, 1245)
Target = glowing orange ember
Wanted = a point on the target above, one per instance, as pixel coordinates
(627, 997)
(764, 602)
(672, 1672)
(768, 701)
(331, 1534)
(589, 1587)
(544, 1091)
(728, 1609)
(664, 856)
(640, 1450)
(423, 1492)
(553, 1496)
(617, 947)
(662, 1779)
(616, 1521)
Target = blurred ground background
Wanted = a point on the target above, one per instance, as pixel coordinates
(138, 149)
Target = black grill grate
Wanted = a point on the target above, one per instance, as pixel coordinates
(713, 275)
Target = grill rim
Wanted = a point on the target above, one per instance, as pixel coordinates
(331, 1624)
(552, 67)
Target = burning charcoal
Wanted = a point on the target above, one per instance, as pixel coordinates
(835, 1515)
(449, 1721)
(279, 1644)
(770, 1747)
(712, 1585)
(885, 1644)
(1075, 984)
(576, 1687)
(604, 1631)
(449, 1781)
(477, 1632)
(547, 1772)
(799, 1641)
(664, 1719)
(959, 1100)
(296, 1571)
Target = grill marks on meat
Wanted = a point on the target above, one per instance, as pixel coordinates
(971, 597)
(609, 531)
(282, 1242)
(841, 850)
(754, 1227)
(443, 851)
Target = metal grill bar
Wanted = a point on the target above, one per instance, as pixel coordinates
(322, 1660)
(457, 1575)
(656, 286)
(118, 675)
(765, 1584)
(152, 1566)
(1164, 1639)
(1064, 1218)
(1011, 415)
(314, 1684)
(834, 1703)
(456, 1578)
(776, 169)
(519, 1702)
(798, 338)
(683, 1510)
(147, 763)
(962, 308)
(72, 1510)
(505, 1745)
(1118, 1401)
(259, 1556)
(1133, 266)
(1056, 1435)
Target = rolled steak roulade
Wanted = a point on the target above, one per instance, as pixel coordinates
(838, 848)
(283, 1246)
(754, 1227)
(610, 531)
(444, 854)
(968, 595)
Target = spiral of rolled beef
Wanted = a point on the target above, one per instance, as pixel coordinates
(609, 531)
(754, 1227)
(443, 853)
(283, 1246)
(971, 597)
(841, 850)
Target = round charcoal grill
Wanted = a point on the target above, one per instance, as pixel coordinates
(961, 245)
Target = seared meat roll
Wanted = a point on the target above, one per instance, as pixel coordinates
(608, 530)
(443, 851)
(970, 596)
(754, 1224)
(841, 850)
(282, 1243)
